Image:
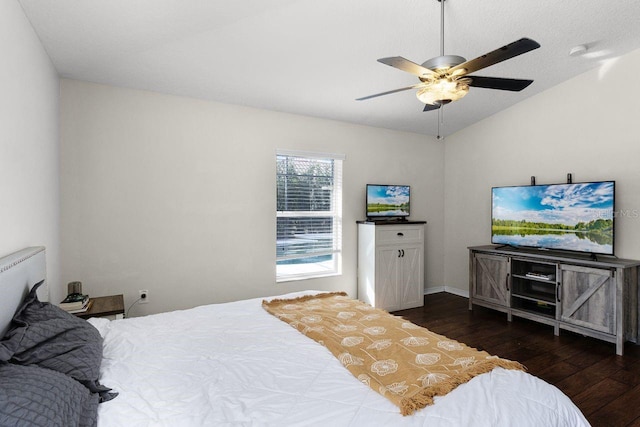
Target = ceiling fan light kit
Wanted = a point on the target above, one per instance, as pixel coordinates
(446, 78)
(443, 91)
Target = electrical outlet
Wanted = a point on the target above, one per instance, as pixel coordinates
(144, 296)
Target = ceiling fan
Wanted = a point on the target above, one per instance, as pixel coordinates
(446, 78)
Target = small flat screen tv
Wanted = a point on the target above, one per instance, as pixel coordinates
(388, 201)
(572, 217)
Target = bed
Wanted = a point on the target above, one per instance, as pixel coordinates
(234, 364)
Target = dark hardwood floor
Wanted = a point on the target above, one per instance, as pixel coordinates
(604, 386)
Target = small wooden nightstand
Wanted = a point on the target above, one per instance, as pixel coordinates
(110, 306)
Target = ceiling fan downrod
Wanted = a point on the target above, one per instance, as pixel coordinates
(443, 61)
(441, 27)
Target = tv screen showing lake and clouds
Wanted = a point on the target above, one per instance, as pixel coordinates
(387, 200)
(575, 217)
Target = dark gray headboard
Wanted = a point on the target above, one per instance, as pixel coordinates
(18, 273)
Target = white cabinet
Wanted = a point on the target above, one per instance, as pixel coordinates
(391, 265)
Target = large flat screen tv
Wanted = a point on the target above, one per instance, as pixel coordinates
(388, 201)
(573, 217)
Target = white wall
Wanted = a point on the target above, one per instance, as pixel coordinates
(29, 169)
(177, 195)
(587, 126)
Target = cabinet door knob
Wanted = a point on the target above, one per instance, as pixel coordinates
(400, 234)
(399, 253)
(402, 253)
(558, 292)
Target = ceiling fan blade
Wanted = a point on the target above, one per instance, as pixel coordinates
(509, 51)
(514, 85)
(430, 107)
(390, 91)
(405, 65)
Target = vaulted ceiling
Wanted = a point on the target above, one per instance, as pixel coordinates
(316, 57)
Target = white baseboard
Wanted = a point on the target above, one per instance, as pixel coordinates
(448, 289)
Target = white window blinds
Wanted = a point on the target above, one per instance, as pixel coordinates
(309, 215)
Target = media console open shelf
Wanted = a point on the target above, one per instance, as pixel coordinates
(533, 287)
(597, 298)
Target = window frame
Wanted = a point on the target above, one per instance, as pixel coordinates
(332, 267)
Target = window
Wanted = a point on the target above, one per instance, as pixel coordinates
(309, 215)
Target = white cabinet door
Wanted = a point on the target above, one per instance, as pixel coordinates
(387, 273)
(399, 277)
(411, 277)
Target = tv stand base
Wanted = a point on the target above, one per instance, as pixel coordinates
(592, 297)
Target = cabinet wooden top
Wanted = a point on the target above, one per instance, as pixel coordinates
(541, 254)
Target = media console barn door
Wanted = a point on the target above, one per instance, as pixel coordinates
(491, 278)
(588, 297)
(596, 296)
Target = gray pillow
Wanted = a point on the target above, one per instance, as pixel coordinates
(45, 335)
(34, 396)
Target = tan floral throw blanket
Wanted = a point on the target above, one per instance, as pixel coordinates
(406, 363)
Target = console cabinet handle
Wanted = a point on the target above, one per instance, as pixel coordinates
(506, 282)
(400, 234)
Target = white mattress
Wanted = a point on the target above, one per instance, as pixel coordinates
(236, 365)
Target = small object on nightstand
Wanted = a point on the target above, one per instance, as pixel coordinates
(109, 306)
(84, 309)
(74, 302)
(74, 288)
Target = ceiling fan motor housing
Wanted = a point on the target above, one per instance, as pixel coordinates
(443, 62)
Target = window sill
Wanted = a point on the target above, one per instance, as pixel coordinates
(305, 277)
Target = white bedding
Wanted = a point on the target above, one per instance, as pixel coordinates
(236, 365)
